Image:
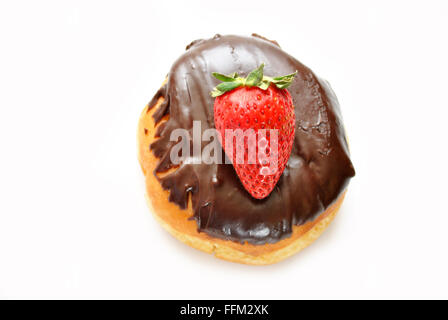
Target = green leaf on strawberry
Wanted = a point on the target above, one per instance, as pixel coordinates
(224, 77)
(254, 79)
(224, 87)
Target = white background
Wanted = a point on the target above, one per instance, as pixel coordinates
(74, 76)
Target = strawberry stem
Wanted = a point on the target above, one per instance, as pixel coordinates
(253, 79)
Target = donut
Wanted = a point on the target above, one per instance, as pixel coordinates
(205, 205)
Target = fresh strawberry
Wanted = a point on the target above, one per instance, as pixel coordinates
(264, 105)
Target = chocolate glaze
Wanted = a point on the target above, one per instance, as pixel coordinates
(317, 172)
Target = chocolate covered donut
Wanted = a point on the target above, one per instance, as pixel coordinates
(313, 181)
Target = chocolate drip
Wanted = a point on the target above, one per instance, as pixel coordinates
(317, 172)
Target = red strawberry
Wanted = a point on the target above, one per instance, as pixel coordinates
(264, 105)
